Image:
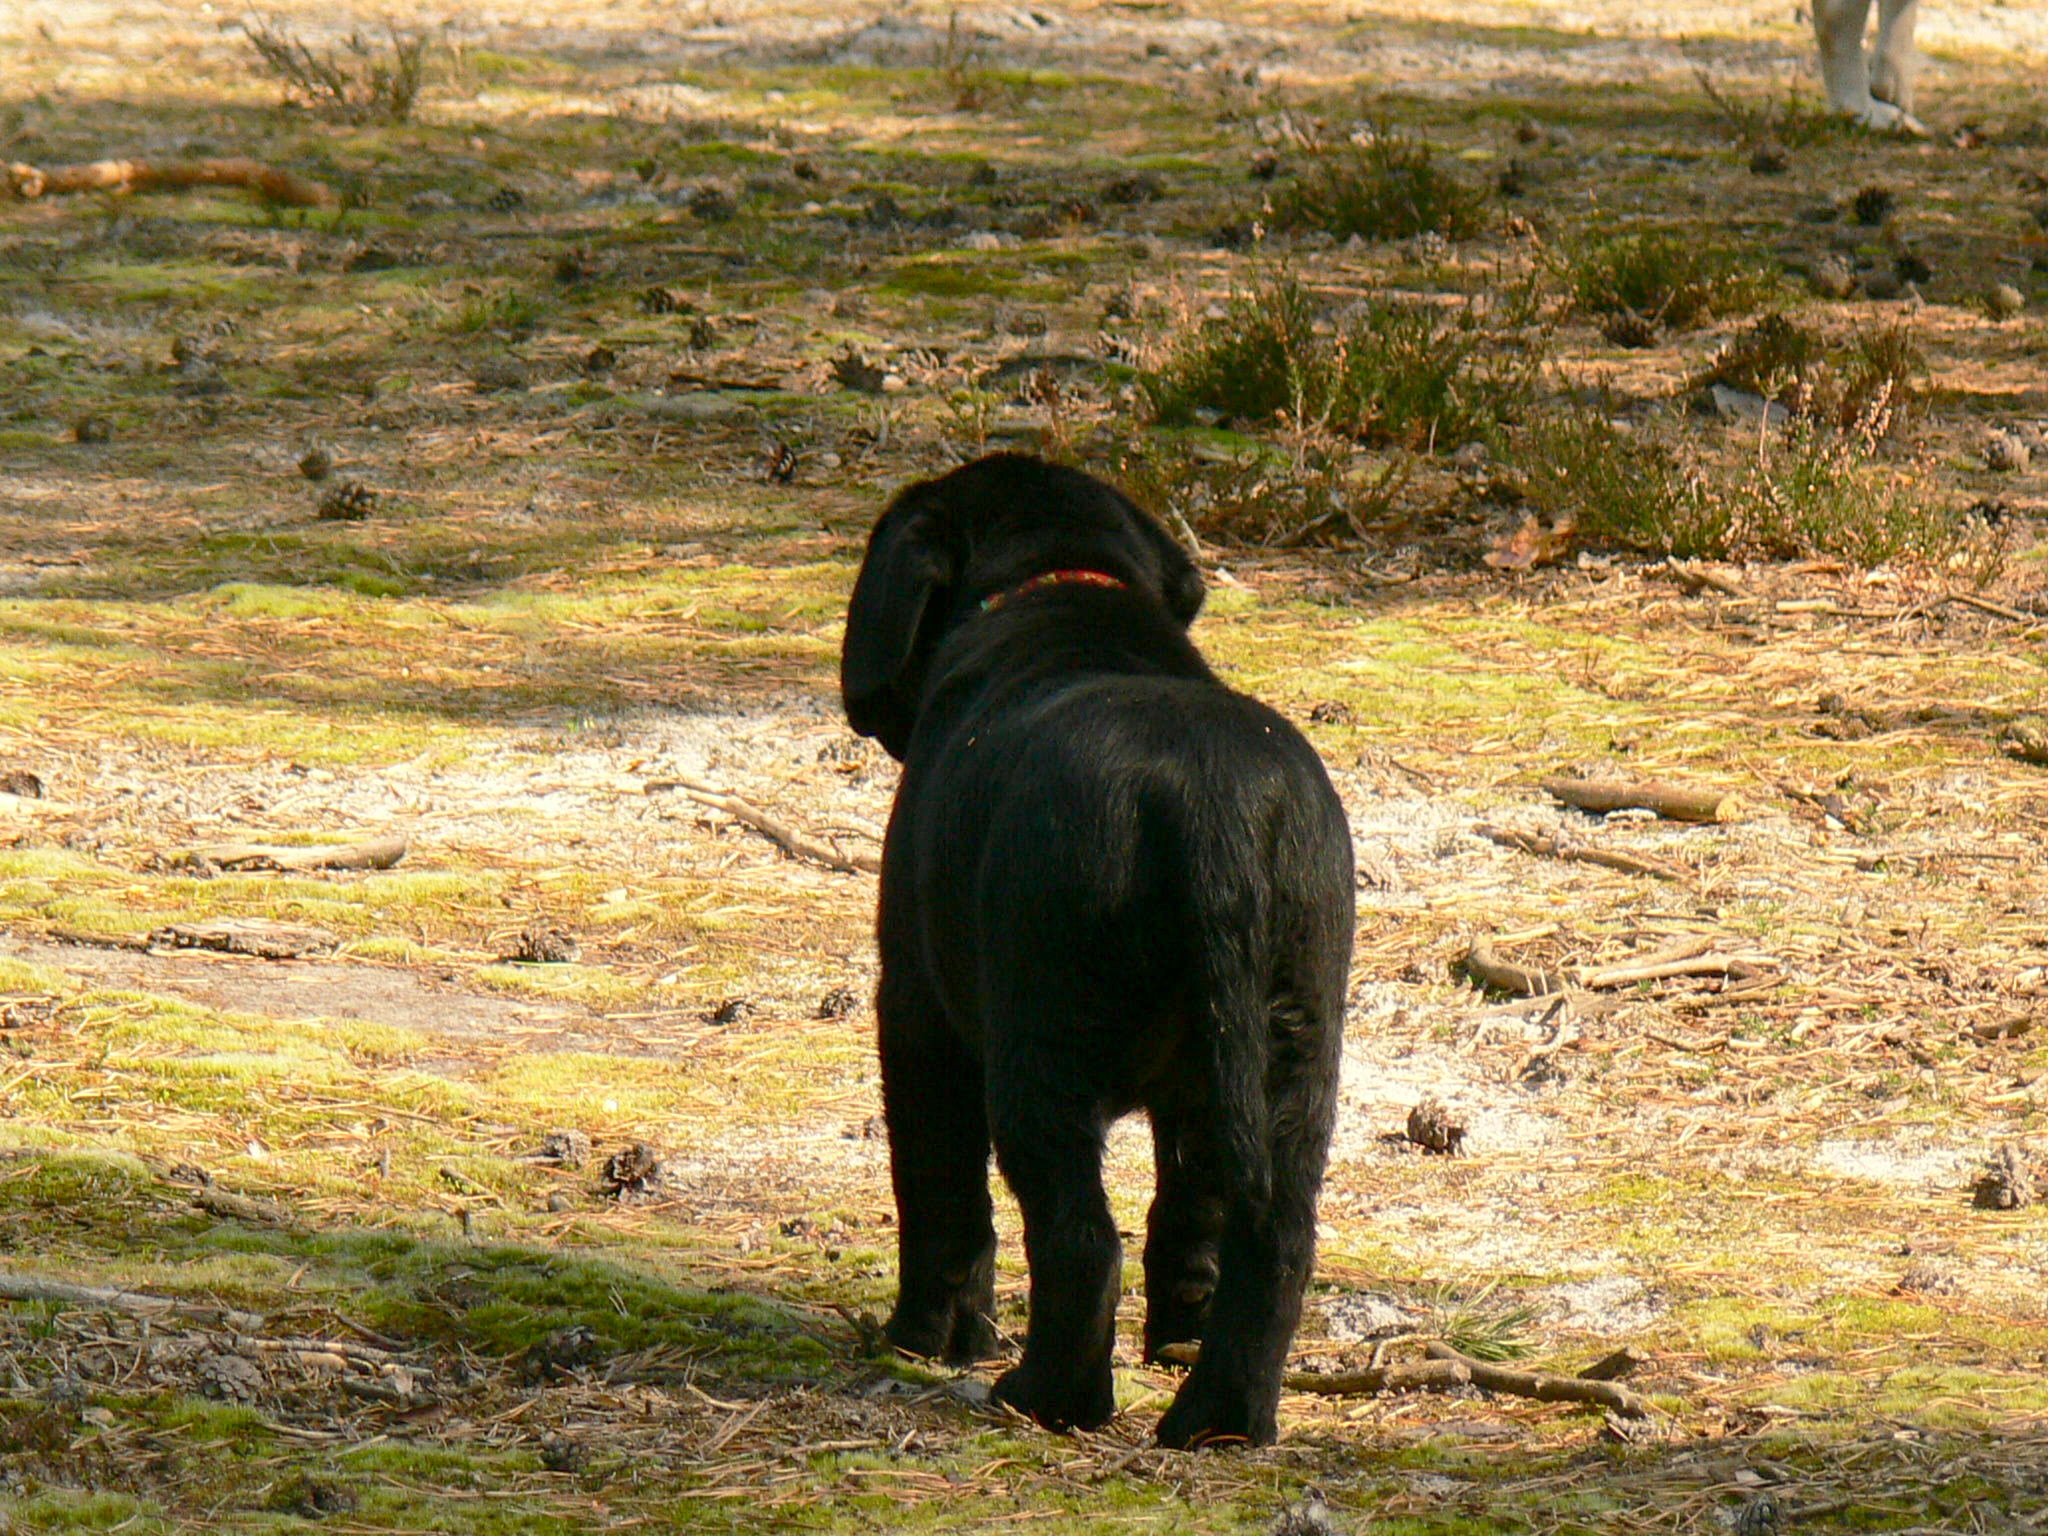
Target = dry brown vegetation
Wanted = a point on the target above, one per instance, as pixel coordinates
(508, 507)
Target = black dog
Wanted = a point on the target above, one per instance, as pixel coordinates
(1110, 883)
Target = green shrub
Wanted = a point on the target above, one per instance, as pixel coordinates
(1386, 187)
(1671, 279)
(1397, 372)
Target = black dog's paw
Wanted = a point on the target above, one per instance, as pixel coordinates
(1175, 1322)
(956, 1335)
(925, 1332)
(1204, 1416)
(1059, 1403)
(974, 1338)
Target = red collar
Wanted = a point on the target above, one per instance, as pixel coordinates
(1051, 578)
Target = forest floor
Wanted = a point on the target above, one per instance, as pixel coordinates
(625, 337)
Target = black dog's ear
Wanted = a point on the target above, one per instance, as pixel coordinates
(1180, 584)
(910, 560)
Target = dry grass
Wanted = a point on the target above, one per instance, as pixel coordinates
(611, 546)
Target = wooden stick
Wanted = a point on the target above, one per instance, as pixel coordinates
(28, 181)
(377, 853)
(1420, 1376)
(259, 936)
(1542, 1387)
(14, 1287)
(221, 1202)
(780, 833)
(1674, 802)
(1446, 1368)
(1488, 969)
(1549, 845)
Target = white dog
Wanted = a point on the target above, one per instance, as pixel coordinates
(1877, 91)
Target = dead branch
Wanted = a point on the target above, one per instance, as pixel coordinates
(221, 1202)
(1694, 578)
(1488, 969)
(1674, 802)
(1419, 1376)
(258, 936)
(1542, 1387)
(280, 186)
(777, 832)
(377, 853)
(1686, 958)
(1623, 1362)
(1551, 846)
(15, 1287)
(1446, 1368)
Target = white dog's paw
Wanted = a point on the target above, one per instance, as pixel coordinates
(1885, 117)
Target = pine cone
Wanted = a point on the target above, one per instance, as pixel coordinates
(665, 301)
(316, 463)
(505, 199)
(349, 502)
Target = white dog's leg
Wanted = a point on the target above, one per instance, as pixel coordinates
(1838, 26)
(1895, 61)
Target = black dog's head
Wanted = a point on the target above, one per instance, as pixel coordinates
(945, 545)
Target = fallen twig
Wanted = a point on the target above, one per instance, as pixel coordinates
(1488, 969)
(1674, 802)
(258, 936)
(15, 1287)
(780, 833)
(1542, 1387)
(152, 175)
(221, 1202)
(1686, 958)
(1550, 845)
(1446, 1368)
(377, 853)
(28, 181)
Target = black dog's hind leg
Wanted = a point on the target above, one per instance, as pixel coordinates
(1269, 1235)
(1183, 1229)
(938, 1159)
(1049, 1146)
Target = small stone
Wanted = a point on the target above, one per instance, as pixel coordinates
(558, 1453)
(93, 429)
(565, 1147)
(2014, 1179)
(499, 373)
(2006, 452)
(2004, 301)
(23, 783)
(1833, 278)
(230, 1378)
(316, 463)
(712, 201)
(600, 359)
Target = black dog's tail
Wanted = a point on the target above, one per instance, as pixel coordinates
(1271, 985)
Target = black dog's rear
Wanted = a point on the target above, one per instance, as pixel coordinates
(1110, 883)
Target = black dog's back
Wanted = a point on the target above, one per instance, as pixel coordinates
(1110, 882)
